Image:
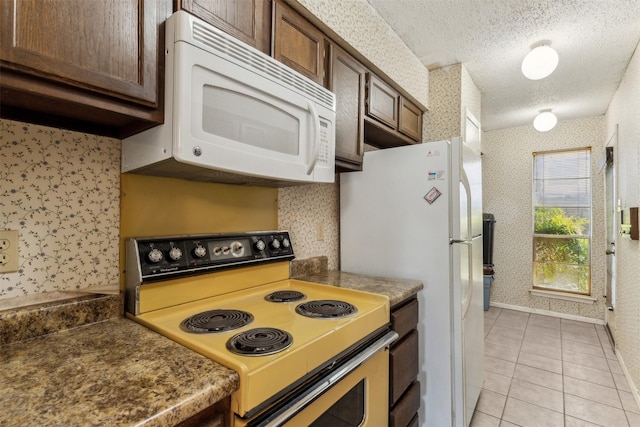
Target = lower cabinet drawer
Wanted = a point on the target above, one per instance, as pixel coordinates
(403, 365)
(403, 413)
(405, 318)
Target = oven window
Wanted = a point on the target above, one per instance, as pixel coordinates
(346, 412)
(241, 118)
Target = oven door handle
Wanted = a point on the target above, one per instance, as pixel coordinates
(325, 383)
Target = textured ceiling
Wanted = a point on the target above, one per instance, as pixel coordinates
(594, 39)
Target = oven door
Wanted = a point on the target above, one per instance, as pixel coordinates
(229, 118)
(357, 394)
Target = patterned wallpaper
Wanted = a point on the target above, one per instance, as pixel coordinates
(624, 111)
(451, 90)
(357, 23)
(61, 191)
(507, 171)
(444, 116)
(311, 213)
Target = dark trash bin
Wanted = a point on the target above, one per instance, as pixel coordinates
(488, 223)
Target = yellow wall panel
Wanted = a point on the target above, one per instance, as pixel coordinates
(155, 206)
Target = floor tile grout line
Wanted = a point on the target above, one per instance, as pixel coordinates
(542, 369)
(604, 404)
(514, 371)
(530, 403)
(581, 419)
(534, 384)
(595, 401)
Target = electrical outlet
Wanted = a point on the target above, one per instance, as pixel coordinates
(4, 244)
(319, 231)
(8, 251)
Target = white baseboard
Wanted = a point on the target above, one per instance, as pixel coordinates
(547, 313)
(632, 386)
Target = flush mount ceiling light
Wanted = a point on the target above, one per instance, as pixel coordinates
(545, 121)
(539, 63)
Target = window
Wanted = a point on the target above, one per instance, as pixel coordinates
(562, 221)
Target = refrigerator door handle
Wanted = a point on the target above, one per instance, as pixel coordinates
(464, 242)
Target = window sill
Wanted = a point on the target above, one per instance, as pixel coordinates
(584, 299)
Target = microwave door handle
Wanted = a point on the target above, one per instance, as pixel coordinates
(316, 139)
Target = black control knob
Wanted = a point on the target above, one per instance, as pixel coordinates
(259, 245)
(155, 256)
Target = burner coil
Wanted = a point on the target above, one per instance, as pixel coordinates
(326, 309)
(285, 296)
(259, 342)
(216, 321)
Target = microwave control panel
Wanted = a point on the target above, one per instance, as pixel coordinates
(325, 142)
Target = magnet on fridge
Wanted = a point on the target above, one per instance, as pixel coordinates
(432, 195)
(433, 175)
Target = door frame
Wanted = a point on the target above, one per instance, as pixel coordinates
(612, 209)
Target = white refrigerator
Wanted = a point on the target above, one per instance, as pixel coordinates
(416, 212)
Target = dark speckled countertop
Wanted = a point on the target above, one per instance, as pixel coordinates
(71, 359)
(108, 372)
(315, 270)
(397, 290)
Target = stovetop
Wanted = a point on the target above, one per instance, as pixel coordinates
(315, 341)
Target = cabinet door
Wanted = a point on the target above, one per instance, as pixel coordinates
(403, 365)
(247, 20)
(348, 82)
(106, 46)
(404, 412)
(382, 101)
(298, 44)
(410, 120)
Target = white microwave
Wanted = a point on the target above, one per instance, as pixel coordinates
(235, 115)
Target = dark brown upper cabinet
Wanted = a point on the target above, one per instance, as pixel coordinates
(348, 83)
(246, 20)
(391, 119)
(382, 101)
(299, 44)
(409, 119)
(88, 65)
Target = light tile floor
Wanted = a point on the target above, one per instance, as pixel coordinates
(542, 371)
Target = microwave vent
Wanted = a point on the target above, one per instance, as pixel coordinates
(226, 46)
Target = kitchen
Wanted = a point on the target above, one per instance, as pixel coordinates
(309, 213)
